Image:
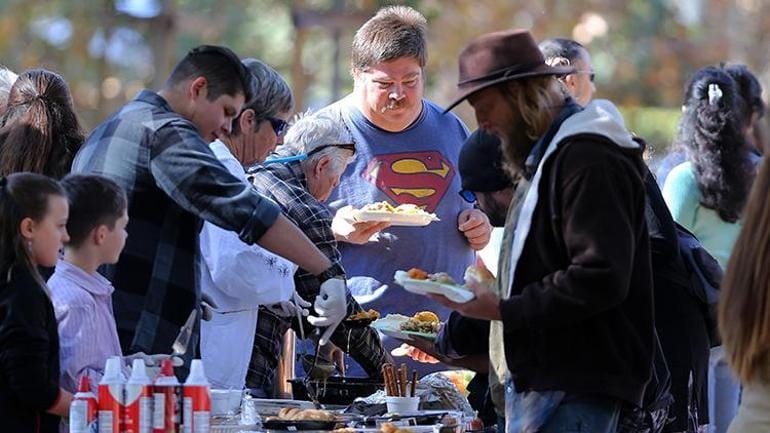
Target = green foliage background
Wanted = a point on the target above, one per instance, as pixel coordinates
(642, 59)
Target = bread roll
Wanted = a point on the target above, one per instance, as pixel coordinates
(479, 274)
(426, 316)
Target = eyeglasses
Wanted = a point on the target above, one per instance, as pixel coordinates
(279, 125)
(346, 146)
(591, 74)
(468, 196)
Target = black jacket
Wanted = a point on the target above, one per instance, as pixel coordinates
(679, 318)
(29, 356)
(580, 316)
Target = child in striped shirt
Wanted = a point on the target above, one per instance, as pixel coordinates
(82, 297)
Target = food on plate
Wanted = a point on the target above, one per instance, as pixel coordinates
(392, 428)
(442, 277)
(473, 273)
(345, 430)
(417, 274)
(439, 277)
(422, 327)
(365, 315)
(478, 274)
(426, 316)
(297, 414)
(380, 206)
(410, 209)
(406, 208)
(424, 322)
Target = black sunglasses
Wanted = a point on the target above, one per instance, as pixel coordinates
(591, 74)
(346, 146)
(279, 125)
(468, 196)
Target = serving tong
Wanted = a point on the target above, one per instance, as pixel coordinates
(312, 392)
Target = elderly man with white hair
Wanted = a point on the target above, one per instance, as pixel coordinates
(299, 176)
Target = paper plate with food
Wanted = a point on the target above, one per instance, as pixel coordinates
(402, 215)
(361, 319)
(293, 419)
(421, 282)
(424, 324)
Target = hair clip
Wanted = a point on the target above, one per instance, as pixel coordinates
(715, 93)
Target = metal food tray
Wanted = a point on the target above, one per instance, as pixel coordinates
(232, 424)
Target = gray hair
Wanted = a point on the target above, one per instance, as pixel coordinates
(560, 51)
(394, 32)
(7, 78)
(310, 132)
(272, 94)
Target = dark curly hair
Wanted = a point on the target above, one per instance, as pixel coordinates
(40, 130)
(748, 88)
(710, 130)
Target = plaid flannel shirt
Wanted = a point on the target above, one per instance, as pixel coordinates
(173, 181)
(286, 185)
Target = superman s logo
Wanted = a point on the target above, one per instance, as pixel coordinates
(420, 178)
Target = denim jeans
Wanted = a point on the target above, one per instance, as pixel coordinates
(584, 413)
(724, 392)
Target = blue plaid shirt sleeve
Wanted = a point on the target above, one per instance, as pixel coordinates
(186, 169)
(287, 186)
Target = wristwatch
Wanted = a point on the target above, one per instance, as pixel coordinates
(333, 271)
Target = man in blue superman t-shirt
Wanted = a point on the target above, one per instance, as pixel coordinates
(406, 153)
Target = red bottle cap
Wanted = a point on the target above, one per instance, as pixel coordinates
(167, 367)
(85, 385)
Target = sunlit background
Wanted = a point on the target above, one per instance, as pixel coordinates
(643, 50)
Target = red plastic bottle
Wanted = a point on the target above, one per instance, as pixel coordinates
(166, 412)
(138, 400)
(197, 401)
(83, 409)
(111, 397)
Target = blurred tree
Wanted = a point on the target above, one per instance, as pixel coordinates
(643, 50)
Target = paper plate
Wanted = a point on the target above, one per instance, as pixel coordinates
(390, 326)
(452, 292)
(394, 218)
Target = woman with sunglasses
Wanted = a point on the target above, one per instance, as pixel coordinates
(240, 277)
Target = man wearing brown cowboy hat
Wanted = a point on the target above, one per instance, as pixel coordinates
(571, 311)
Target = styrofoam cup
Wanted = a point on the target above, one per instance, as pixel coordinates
(225, 401)
(402, 404)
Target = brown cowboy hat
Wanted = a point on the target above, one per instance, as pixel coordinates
(494, 58)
